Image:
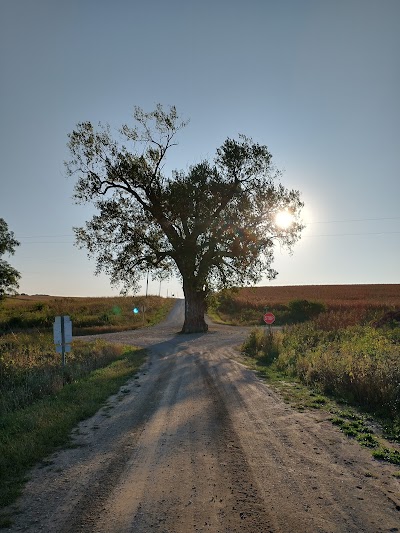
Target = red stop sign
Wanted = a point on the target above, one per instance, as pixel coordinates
(269, 318)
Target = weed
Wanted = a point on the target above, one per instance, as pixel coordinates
(30, 369)
(359, 364)
(30, 433)
(301, 397)
(88, 315)
(391, 429)
(367, 440)
(387, 454)
(262, 345)
(368, 474)
(354, 425)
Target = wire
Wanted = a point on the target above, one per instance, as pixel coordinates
(307, 224)
(354, 234)
(353, 220)
(48, 242)
(45, 236)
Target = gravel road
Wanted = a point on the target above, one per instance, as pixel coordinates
(196, 443)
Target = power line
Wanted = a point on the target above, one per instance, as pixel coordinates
(313, 222)
(319, 235)
(354, 234)
(307, 224)
(48, 242)
(45, 236)
(353, 220)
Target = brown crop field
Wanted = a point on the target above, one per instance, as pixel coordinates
(333, 296)
(345, 304)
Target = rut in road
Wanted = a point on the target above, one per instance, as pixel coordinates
(199, 443)
(182, 477)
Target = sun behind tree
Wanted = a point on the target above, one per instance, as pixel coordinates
(284, 219)
(213, 225)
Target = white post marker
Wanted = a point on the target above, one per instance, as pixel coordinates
(62, 328)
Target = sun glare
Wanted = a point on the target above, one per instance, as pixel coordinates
(283, 219)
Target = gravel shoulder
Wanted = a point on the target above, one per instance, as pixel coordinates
(198, 443)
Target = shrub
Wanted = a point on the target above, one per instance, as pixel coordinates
(390, 319)
(31, 369)
(251, 345)
(358, 363)
(262, 345)
(302, 310)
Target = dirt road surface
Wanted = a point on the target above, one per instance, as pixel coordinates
(198, 443)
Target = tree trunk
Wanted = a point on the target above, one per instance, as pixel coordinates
(195, 307)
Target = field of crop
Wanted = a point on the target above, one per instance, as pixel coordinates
(356, 303)
(88, 315)
(333, 296)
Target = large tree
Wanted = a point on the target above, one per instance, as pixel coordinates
(8, 275)
(213, 224)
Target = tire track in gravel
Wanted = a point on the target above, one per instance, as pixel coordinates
(192, 474)
(93, 502)
(314, 477)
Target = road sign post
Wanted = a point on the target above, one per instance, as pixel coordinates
(62, 329)
(269, 319)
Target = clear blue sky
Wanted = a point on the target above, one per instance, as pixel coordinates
(318, 81)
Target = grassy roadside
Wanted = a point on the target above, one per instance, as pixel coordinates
(215, 317)
(29, 434)
(367, 430)
(88, 315)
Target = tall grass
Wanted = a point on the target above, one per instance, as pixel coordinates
(88, 315)
(29, 366)
(40, 402)
(31, 369)
(30, 433)
(360, 364)
(263, 345)
(356, 363)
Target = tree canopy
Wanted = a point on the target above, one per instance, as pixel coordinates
(214, 224)
(8, 275)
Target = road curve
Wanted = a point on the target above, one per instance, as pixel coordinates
(198, 443)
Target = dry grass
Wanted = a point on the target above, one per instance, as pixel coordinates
(41, 412)
(88, 315)
(31, 369)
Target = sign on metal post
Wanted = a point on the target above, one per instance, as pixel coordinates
(62, 329)
(269, 318)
